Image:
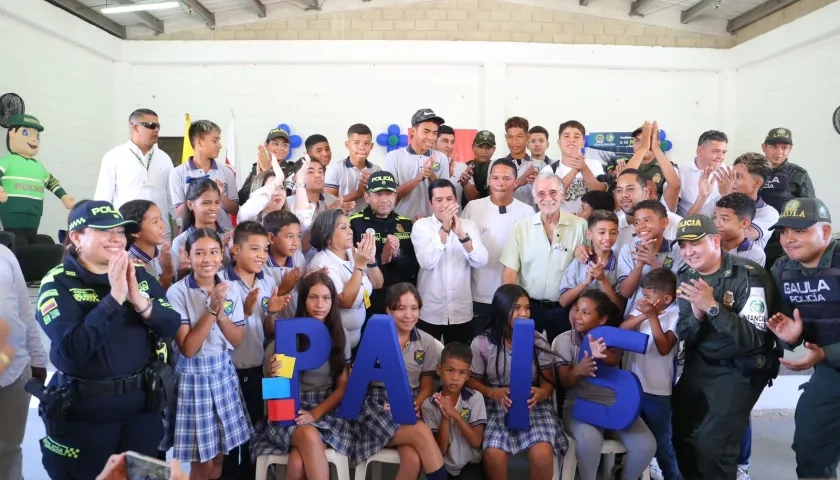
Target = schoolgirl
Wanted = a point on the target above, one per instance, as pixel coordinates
(203, 207)
(210, 419)
(490, 375)
(143, 246)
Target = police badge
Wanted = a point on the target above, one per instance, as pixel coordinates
(657, 178)
(728, 299)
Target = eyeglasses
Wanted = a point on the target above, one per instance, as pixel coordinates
(149, 125)
(628, 190)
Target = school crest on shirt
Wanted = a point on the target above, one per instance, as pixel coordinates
(228, 308)
(465, 414)
(264, 304)
(728, 299)
(668, 263)
(419, 356)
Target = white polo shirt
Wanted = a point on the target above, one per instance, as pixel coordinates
(571, 197)
(445, 269)
(751, 251)
(180, 176)
(494, 227)
(627, 232)
(405, 164)
(524, 193)
(689, 178)
(276, 271)
(344, 176)
(765, 217)
(655, 371)
(457, 171)
(126, 174)
(250, 352)
(472, 409)
(340, 272)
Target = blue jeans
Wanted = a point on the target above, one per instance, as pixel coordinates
(746, 446)
(656, 413)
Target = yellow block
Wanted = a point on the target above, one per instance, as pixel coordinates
(287, 368)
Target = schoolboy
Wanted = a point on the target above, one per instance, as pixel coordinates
(262, 305)
(516, 136)
(595, 200)
(601, 271)
(656, 314)
(733, 216)
(285, 262)
(350, 176)
(456, 414)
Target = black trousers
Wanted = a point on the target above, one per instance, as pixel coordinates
(461, 332)
(237, 464)
(550, 317)
(37, 254)
(815, 440)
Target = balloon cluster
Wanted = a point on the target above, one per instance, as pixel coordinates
(393, 139)
(294, 140)
(664, 144)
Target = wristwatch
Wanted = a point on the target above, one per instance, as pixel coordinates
(713, 310)
(465, 239)
(148, 305)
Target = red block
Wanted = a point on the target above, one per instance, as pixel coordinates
(281, 410)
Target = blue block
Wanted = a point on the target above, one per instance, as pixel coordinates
(276, 388)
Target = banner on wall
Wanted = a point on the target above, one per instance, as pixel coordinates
(463, 144)
(619, 143)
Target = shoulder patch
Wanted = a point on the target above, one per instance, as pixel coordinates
(355, 216)
(400, 217)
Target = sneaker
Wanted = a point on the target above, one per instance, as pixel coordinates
(743, 474)
(655, 471)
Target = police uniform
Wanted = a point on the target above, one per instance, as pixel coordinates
(816, 293)
(97, 404)
(729, 360)
(786, 182)
(288, 168)
(402, 268)
(481, 170)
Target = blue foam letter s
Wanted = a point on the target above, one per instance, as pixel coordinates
(628, 390)
(285, 342)
(379, 344)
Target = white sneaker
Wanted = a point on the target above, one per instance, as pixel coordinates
(655, 471)
(743, 474)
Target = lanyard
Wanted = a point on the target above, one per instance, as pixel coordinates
(140, 159)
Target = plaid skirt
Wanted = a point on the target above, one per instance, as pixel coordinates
(275, 439)
(210, 418)
(545, 427)
(375, 425)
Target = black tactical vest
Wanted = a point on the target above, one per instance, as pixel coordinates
(818, 300)
(776, 192)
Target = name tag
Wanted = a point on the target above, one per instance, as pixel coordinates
(148, 183)
(559, 248)
(366, 298)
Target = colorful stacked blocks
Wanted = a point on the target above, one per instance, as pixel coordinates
(278, 391)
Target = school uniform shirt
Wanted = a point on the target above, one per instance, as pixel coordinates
(524, 193)
(751, 251)
(689, 177)
(150, 264)
(421, 357)
(576, 274)
(489, 365)
(191, 301)
(340, 272)
(571, 199)
(669, 257)
(306, 217)
(405, 164)
(655, 371)
(541, 263)
(344, 176)
(627, 232)
(567, 348)
(457, 171)
(765, 217)
(181, 176)
(181, 241)
(249, 353)
(126, 174)
(276, 271)
(471, 407)
(494, 224)
(444, 278)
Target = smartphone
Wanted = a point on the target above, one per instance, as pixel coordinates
(141, 467)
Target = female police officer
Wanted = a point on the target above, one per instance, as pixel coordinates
(103, 316)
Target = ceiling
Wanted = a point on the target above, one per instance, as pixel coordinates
(194, 14)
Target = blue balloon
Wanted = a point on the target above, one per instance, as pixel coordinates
(662, 135)
(382, 139)
(295, 142)
(285, 127)
(390, 148)
(403, 140)
(666, 145)
(394, 129)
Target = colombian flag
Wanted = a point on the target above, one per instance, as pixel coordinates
(187, 150)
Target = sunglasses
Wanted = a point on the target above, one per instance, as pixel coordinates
(149, 125)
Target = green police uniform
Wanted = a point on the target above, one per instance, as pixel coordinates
(815, 292)
(653, 171)
(729, 360)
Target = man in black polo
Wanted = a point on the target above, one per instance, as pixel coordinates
(394, 250)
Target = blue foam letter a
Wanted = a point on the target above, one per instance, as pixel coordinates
(285, 342)
(521, 362)
(628, 390)
(379, 344)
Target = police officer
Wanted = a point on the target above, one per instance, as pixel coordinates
(724, 303)
(484, 146)
(103, 316)
(808, 278)
(394, 250)
(787, 181)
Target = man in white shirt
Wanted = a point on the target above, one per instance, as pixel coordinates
(446, 247)
(29, 360)
(494, 216)
(138, 169)
(699, 189)
(631, 187)
(750, 172)
(418, 164)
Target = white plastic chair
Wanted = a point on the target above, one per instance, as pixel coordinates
(386, 455)
(342, 465)
(610, 448)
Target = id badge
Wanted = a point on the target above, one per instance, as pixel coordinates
(148, 183)
(366, 298)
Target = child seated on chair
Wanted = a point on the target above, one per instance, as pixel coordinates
(656, 315)
(594, 308)
(321, 390)
(490, 374)
(457, 415)
(415, 444)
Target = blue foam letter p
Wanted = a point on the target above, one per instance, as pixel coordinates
(379, 344)
(628, 390)
(285, 342)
